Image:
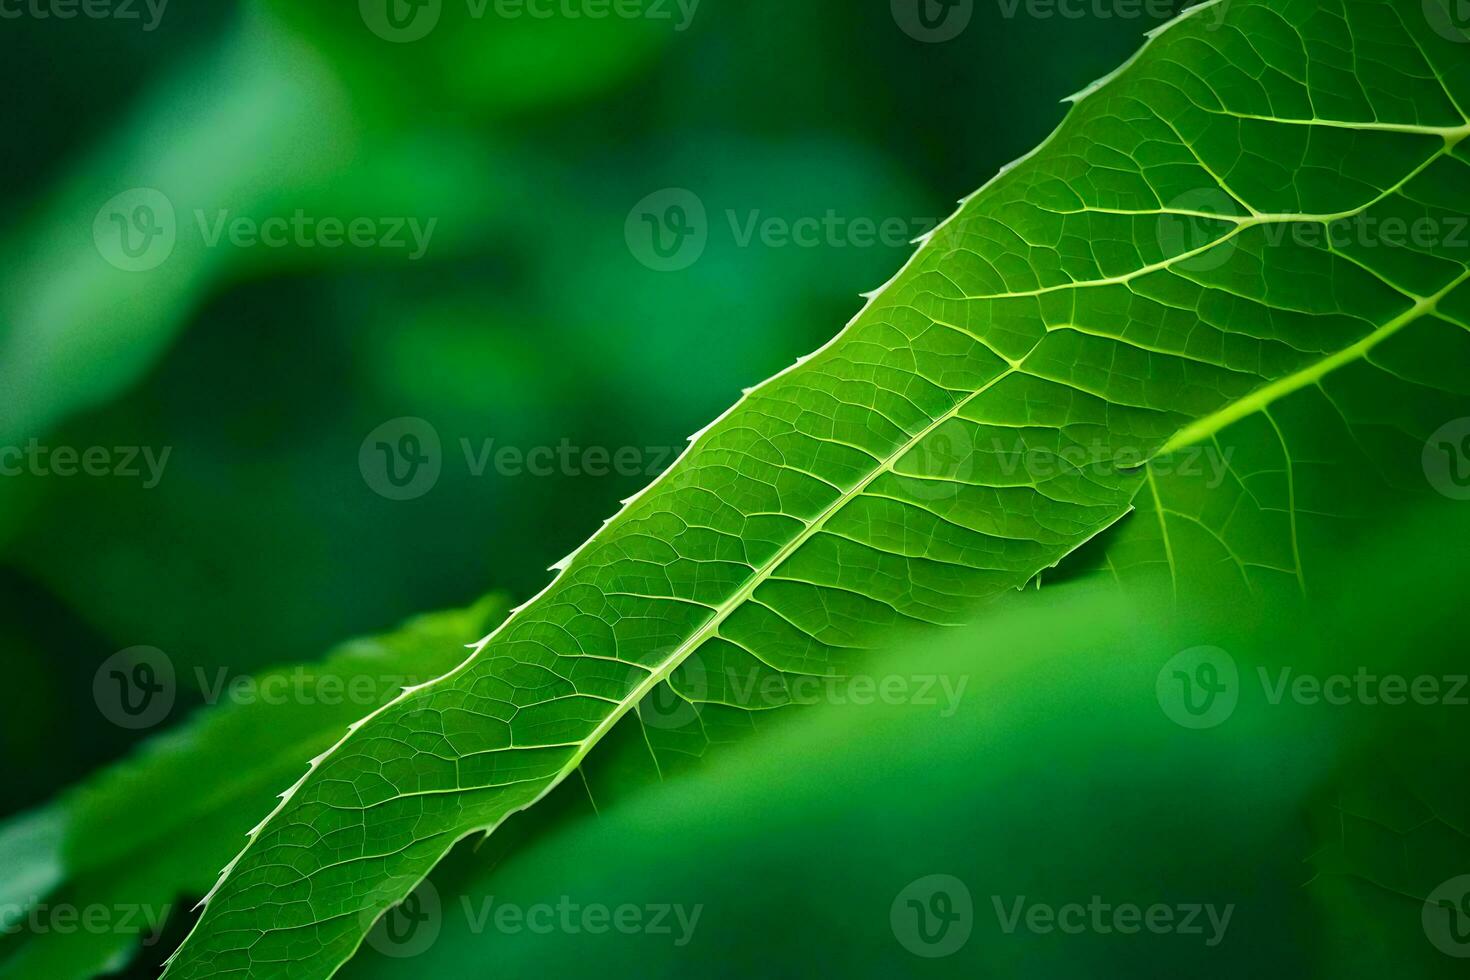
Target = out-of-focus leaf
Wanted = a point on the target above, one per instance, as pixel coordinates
(150, 832)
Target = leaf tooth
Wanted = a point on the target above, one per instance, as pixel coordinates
(700, 434)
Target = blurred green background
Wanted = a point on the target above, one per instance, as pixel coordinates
(529, 319)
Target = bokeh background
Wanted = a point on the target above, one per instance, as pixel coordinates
(532, 318)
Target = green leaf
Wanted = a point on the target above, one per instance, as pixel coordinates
(1143, 283)
(138, 837)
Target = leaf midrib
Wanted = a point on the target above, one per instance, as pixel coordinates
(710, 628)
